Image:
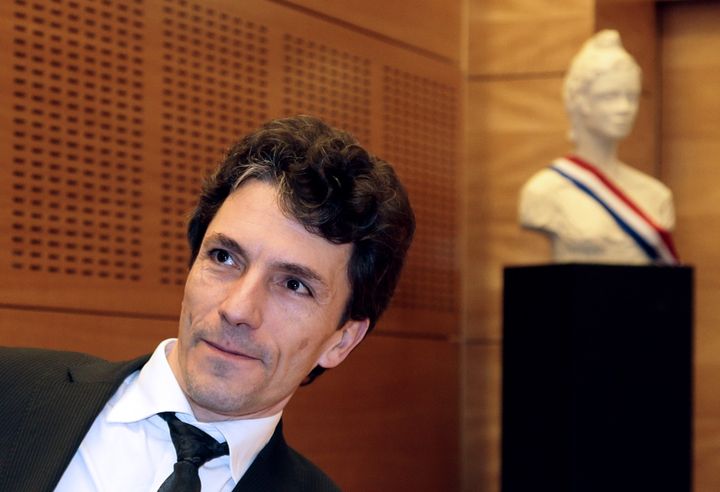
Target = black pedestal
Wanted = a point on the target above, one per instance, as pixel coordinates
(597, 379)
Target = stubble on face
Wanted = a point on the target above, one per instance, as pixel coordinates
(208, 381)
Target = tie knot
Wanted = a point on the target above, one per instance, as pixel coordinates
(192, 445)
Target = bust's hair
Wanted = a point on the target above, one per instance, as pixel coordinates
(602, 53)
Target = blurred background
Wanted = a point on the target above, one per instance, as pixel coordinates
(111, 111)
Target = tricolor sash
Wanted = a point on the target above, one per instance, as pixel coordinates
(654, 240)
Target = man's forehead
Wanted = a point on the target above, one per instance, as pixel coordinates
(279, 203)
(251, 219)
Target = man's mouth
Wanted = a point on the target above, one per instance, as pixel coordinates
(229, 350)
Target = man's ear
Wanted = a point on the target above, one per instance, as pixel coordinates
(343, 342)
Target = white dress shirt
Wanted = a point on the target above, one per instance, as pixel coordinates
(128, 446)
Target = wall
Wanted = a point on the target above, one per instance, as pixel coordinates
(515, 124)
(397, 74)
(111, 111)
(690, 136)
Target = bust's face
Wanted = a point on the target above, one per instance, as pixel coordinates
(609, 107)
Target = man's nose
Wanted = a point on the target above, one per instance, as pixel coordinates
(244, 301)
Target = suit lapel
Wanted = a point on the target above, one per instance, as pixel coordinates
(266, 471)
(59, 414)
(280, 468)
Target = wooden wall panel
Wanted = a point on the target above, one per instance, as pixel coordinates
(525, 36)
(148, 95)
(111, 111)
(516, 123)
(102, 335)
(481, 417)
(636, 21)
(431, 25)
(514, 129)
(517, 57)
(690, 146)
(388, 416)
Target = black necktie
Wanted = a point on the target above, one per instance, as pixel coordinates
(194, 448)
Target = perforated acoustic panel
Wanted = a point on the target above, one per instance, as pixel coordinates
(215, 83)
(329, 83)
(76, 145)
(420, 136)
(112, 112)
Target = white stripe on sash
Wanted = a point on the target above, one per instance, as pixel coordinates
(654, 240)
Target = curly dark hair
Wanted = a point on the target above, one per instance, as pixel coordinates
(336, 189)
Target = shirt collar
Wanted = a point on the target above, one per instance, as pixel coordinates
(156, 390)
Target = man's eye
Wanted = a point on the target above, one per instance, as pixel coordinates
(222, 256)
(295, 285)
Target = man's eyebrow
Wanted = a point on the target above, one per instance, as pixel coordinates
(296, 269)
(226, 242)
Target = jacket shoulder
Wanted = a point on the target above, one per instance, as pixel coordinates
(30, 364)
(314, 479)
(280, 468)
(50, 397)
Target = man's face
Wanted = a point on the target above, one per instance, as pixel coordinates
(610, 106)
(262, 305)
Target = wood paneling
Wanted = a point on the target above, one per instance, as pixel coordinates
(113, 112)
(525, 36)
(515, 128)
(690, 146)
(386, 419)
(110, 337)
(481, 417)
(516, 124)
(430, 25)
(636, 21)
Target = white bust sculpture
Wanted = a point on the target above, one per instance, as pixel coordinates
(594, 208)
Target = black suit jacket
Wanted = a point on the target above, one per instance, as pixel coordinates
(49, 401)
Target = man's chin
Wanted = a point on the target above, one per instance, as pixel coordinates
(214, 400)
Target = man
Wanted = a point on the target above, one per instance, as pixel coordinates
(297, 243)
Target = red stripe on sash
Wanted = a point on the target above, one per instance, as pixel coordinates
(662, 232)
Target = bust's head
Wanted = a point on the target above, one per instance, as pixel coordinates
(602, 88)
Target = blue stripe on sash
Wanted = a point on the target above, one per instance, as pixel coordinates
(649, 250)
